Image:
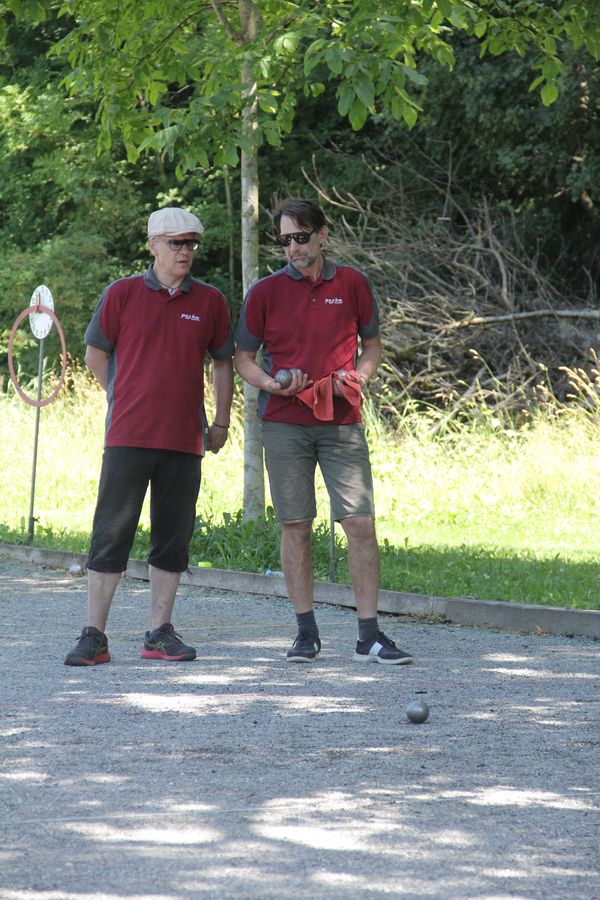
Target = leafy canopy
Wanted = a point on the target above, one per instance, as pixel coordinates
(168, 78)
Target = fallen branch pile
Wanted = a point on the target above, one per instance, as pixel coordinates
(465, 313)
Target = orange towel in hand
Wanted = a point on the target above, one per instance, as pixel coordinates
(319, 396)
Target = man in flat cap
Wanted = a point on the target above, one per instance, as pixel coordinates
(146, 344)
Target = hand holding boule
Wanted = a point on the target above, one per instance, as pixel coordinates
(290, 381)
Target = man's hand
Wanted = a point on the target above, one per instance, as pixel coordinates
(348, 378)
(300, 381)
(248, 368)
(216, 438)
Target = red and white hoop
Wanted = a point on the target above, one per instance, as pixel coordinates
(41, 318)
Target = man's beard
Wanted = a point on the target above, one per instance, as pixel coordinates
(305, 262)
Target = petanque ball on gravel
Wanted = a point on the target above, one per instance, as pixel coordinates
(417, 711)
(75, 570)
(284, 377)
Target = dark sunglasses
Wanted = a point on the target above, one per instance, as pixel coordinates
(179, 244)
(301, 237)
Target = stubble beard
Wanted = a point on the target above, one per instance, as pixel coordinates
(305, 262)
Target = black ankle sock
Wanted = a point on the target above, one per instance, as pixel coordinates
(307, 623)
(367, 629)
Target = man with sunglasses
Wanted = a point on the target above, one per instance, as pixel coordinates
(309, 318)
(146, 344)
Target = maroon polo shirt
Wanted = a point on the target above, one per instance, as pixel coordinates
(157, 344)
(313, 326)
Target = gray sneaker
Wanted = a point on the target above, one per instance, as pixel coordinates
(90, 650)
(165, 643)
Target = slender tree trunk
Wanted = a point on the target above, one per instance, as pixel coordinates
(231, 261)
(254, 479)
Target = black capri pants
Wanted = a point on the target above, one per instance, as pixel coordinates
(174, 480)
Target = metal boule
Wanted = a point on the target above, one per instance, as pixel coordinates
(283, 377)
(417, 711)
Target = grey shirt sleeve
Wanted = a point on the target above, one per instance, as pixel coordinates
(94, 336)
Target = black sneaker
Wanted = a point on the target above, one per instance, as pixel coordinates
(165, 643)
(381, 650)
(90, 650)
(304, 648)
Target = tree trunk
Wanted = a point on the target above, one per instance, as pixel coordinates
(254, 479)
(231, 260)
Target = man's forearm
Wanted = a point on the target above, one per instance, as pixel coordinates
(97, 362)
(223, 390)
(250, 371)
(369, 359)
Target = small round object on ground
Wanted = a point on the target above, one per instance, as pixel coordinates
(75, 570)
(417, 711)
(283, 377)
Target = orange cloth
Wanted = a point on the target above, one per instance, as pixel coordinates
(319, 396)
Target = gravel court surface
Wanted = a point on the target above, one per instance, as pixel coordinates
(240, 775)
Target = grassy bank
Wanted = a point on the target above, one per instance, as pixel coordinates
(475, 510)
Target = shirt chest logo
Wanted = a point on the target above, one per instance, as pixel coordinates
(190, 317)
(333, 300)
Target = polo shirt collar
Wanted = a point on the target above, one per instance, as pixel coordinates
(152, 282)
(327, 273)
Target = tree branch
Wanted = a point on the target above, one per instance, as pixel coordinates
(470, 321)
(532, 314)
(235, 36)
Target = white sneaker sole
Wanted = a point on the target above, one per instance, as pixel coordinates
(366, 658)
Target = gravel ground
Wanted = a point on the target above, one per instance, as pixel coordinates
(241, 776)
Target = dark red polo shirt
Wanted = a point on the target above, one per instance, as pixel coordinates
(157, 344)
(313, 326)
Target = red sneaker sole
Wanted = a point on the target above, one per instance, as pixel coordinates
(158, 654)
(101, 658)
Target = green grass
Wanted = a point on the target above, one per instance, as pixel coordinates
(476, 509)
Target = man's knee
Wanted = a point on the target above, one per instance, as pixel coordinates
(359, 528)
(296, 530)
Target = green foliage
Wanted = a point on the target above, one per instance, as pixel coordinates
(71, 219)
(75, 220)
(180, 85)
(476, 571)
(250, 546)
(495, 139)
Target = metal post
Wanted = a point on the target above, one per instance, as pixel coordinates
(35, 442)
(332, 560)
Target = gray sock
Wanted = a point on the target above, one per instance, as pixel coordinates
(307, 623)
(368, 629)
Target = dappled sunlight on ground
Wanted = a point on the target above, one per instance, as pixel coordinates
(239, 775)
(183, 835)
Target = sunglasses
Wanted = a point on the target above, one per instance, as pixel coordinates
(301, 237)
(180, 244)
